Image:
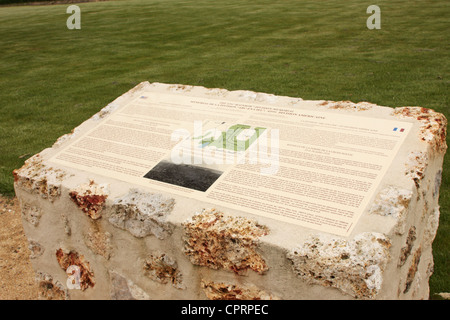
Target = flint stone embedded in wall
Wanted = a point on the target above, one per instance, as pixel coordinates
(352, 266)
(123, 289)
(38, 178)
(393, 202)
(433, 128)
(36, 249)
(98, 241)
(31, 213)
(416, 165)
(142, 214)
(50, 289)
(406, 250)
(219, 241)
(90, 198)
(72, 258)
(225, 291)
(431, 227)
(413, 269)
(163, 269)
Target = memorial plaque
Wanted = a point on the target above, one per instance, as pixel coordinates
(184, 192)
(312, 168)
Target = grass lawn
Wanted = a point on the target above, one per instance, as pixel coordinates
(52, 78)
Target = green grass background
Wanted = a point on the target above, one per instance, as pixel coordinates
(52, 78)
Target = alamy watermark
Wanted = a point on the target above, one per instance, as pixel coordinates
(73, 277)
(374, 21)
(227, 144)
(74, 21)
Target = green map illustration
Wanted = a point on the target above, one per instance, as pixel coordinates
(238, 137)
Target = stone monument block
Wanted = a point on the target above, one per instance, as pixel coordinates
(184, 192)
